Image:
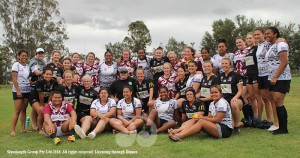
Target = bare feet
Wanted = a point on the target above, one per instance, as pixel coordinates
(35, 127)
(173, 131)
(175, 138)
(114, 131)
(25, 131)
(170, 131)
(132, 132)
(41, 132)
(13, 133)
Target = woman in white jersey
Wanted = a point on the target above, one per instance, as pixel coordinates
(263, 85)
(279, 76)
(129, 111)
(217, 124)
(21, 89)
(102, 110)
(107, 70)
(163, 114)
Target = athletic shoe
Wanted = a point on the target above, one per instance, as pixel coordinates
(255, 123)
(71, 138)
(273, 128)
(91, 135)
(279, 131)
(236, 131)
(264, 124)
(267, 125)
(79, 131)
(56, 140)
(246, 122)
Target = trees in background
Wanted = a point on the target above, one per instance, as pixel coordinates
(138, 37)
(174, 45)
(230, 29)
(29, 24)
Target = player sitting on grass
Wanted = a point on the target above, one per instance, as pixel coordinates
(59, 118)
(163, 114)
(191, 108)
(218, 123)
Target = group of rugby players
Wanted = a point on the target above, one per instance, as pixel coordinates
(149, 95)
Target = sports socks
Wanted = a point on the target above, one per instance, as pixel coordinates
(282, 118)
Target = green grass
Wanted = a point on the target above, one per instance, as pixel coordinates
(250, 143)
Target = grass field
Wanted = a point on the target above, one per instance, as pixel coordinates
(250, 143)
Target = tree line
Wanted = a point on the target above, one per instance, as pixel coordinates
(29, 24)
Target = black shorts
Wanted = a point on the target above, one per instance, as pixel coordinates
(81, 115)
(223, 130)
(282, 86)
(252, 79)
(263, 82)
(33, 100)
(245, 80)
(145, 107)
(162, 122)
(229, 100)
(206, 104)
(24, 96)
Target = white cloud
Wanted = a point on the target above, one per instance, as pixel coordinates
(92, 24)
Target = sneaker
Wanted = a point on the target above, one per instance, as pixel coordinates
(279, 131)
(236, 131)
(273, 128)
(79, 131)
(246, 122)
(267, 125)
(71, 138)
(255, 123)
(264, 124)
(91, 135)
(56, 140)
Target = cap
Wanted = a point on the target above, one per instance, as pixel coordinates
(40, 50)
(123, 69)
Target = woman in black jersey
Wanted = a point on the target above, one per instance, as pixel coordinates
(41, 95)
(55, 65)
(68, 89)
(208, 80)
(180, 86)
(191, 108)
(67, 65)
(217, 124)
(145, 90)
(252, 81)
(232, 88)
(86, 95)
(156, 65)
(36, 66)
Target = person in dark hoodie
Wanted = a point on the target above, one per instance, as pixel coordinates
(36, 66)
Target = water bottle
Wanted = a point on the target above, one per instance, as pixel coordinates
(27, 122)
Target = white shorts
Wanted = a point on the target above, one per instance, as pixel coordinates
(58, 132)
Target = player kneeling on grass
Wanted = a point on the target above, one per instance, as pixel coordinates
(218, 123)
(191, 108)
(129, 111)
(102, 110)
(59, 118)
(163, 114)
